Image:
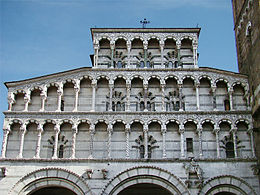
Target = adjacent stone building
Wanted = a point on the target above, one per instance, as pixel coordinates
(247, 32)
(144, 119)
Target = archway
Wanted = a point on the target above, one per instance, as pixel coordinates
(144, 189)
(142, 180)
(53, 190)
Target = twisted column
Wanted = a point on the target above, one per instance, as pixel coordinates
(5, 138)
(178, 45)
(38, 146)
(57, 131)
(163, 97)
(74, 136)
(22, 132)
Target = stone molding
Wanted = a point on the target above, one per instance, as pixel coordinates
(227, 183)
(126, 117)
(46, 176)
(143, 174)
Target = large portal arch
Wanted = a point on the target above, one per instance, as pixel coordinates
(226, 185)
(50, 177)
(145, 175)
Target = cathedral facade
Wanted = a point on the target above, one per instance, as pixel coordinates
(143, 119)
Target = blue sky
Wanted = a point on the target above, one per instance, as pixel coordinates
(39, 37)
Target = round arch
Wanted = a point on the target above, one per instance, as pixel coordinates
(146, 174)
(50, 177)
(226, 183)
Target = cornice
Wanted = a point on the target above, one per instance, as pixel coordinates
(167, 160)
(85, 70)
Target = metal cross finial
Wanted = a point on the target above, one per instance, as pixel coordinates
(144, 22)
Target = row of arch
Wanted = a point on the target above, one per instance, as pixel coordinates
(102, 135)
(74, 91)
(145, 40)
(223, 184)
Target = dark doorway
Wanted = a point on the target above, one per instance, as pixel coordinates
(144, 189)
(53, 191)
(224, 193)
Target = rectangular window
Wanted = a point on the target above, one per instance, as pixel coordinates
(189, 144)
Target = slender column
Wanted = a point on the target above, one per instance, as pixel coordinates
(162, 48)
(234, 130)
(180, 96)
(181, 131)
(178, 45)
(112, 46)
(163, 97)
(128, 45)
(199, 131)
(198, 95)
(38, 146)
(247, 99)
(77, 89)
(195, 54)
(96, 47)
(74, 137)
(43, 99)
(92, 132)
(110, 131)
(216, 131)
(128, 89)
(26, 101)
(127, 133)
(145, 54)
(4, 144)
(164, 140)
(59, 92)
(10, 101)
(57, 131)
(145, 96)
(111, 86)
(251, 135)
(214, 98)
(145, 141)
(231, 98)
(22, 132)
(94, 86)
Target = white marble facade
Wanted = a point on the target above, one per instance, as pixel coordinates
(144, 113)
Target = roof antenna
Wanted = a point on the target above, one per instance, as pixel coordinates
(197, 25)
(144, 22)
